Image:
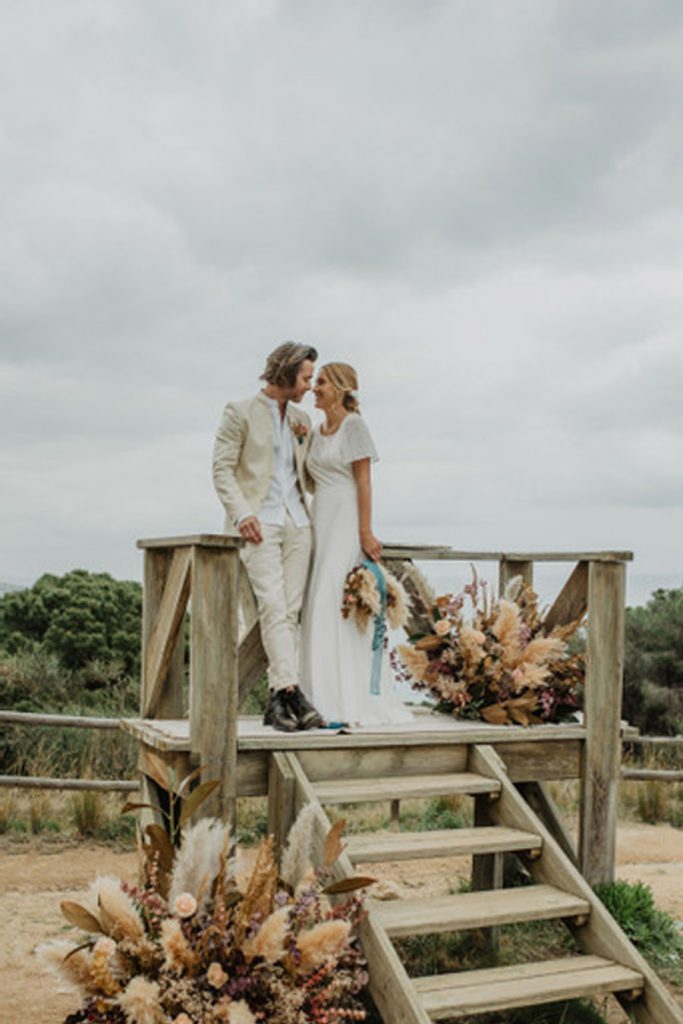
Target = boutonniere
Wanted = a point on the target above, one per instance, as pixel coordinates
(300, 431)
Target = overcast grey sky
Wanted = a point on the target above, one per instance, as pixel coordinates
(478, 204)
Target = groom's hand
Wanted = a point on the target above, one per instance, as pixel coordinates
(250, 529)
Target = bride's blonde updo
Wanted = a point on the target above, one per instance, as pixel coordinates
(344, 379)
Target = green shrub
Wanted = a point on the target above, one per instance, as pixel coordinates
(653, 664)
(80, 617)
(651, 930)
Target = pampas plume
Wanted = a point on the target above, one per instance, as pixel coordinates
(140, 1002)
(72, 969)
(178, 954)
(541, 650)
(416, 662)
(269, 941)
(321, 942)
(116, 910)
(260, 892)
(397, 603)
(296, 857)
(513, 588)
(506, 630)
(199, 860)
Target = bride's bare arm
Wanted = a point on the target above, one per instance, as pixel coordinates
(362, 475)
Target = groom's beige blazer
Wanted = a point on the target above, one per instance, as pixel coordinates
(243, 456)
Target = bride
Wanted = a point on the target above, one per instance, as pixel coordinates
(336, 657)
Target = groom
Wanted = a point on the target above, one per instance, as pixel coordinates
(260, 476)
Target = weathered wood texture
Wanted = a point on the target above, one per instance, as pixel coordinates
(600, 935)
(193, 540)
(214, 674)
(487, 868)
(44, 782)
(445, 554)
(509, 568)
(602, 709)
(451, 996)
(651, 775)
(572, 601)
(390, 986)
(165, 595)
(168, 770)
(61, 721)
(281, 799)
(539, 799)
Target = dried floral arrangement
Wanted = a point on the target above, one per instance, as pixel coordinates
(196, 944)
(362, 600)
(489, 658)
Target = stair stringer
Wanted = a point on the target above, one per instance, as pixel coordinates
(390, 986)
(600, 934)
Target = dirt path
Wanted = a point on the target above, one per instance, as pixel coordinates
(33, 880)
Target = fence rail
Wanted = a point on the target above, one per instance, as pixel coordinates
(45, 782)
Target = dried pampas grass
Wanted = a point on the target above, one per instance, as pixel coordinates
(199, 860)
(140, 1002)
(269, 941)
(178, 954)
(72, 969)
(321, 942)
(297, 854)
(116, 910)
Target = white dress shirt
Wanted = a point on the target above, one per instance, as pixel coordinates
(283, 493)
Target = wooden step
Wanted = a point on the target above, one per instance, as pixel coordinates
(449, 996)
(477, 910)
(403, 787)
(453, 842)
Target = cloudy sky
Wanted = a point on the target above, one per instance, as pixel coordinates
(478, 204)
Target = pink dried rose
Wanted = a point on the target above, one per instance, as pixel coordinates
(479, 636)
(442, 627)
(216, 976)
(185, 904)
(182, 1018)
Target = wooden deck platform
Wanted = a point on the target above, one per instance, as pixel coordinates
(173, 735)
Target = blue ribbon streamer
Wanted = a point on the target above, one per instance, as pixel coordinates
(380, 627)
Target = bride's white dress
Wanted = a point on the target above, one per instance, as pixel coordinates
(336, 658)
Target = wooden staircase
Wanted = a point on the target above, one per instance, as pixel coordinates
(609, 964)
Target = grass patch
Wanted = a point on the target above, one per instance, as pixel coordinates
(651, 930)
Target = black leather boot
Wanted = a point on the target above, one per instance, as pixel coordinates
(278, 713)
(305, 714)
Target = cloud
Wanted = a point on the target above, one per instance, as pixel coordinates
(476, 204)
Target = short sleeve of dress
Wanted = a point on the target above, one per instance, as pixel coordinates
(356, 442)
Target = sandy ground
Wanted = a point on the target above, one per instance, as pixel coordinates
(34, 878)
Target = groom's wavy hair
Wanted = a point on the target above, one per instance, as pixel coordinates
(284, 363)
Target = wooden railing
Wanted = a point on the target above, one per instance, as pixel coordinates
(205, 570)
(596, 585)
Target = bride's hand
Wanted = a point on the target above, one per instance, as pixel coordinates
(371, 545)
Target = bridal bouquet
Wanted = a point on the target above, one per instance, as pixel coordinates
(362, 599)
(499, 662)
(202, 947)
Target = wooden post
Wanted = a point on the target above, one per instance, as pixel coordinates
(157, 562)
(509, 568)
(281, 793)
(214, 672)
(487, 869)
(602, 709)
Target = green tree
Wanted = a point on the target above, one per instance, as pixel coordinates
(81, 617)
(653, 667)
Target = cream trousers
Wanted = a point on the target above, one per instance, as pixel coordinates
(278, 571)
